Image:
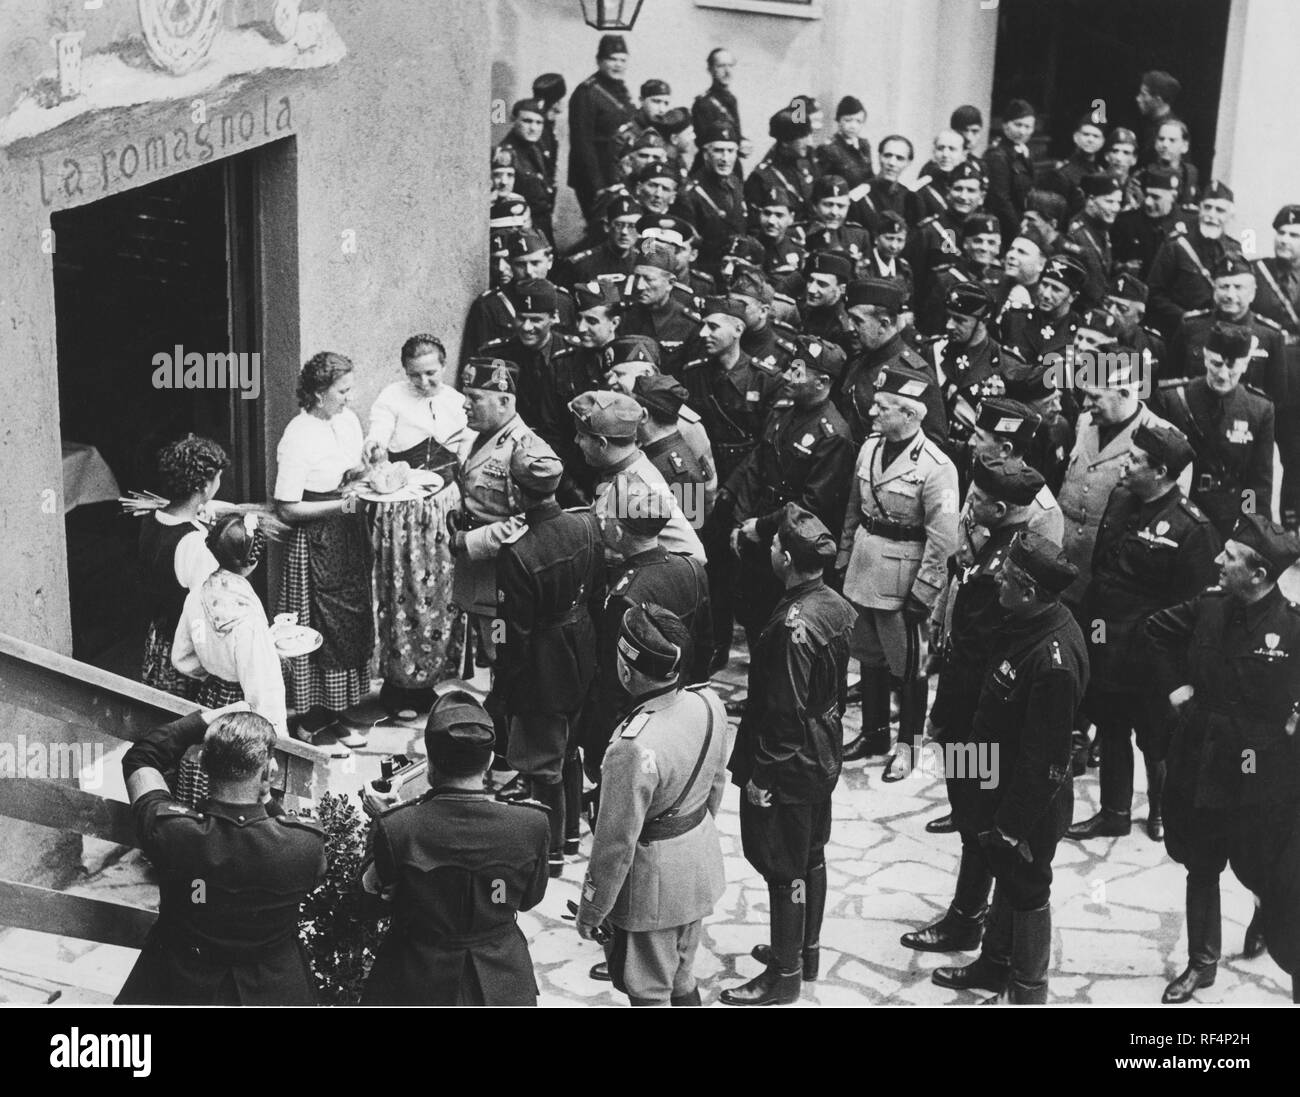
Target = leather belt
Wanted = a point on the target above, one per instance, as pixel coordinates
(892, 531)
(660, 830)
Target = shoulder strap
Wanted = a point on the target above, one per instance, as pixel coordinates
(1191, 251)
(699, 763)
(1277, 292)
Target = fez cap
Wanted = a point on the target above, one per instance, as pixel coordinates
(850, 104)
(1220, 190)
(503, 156)
(610, 44)
(643, 645)
(676, 231)
(647, 139)
(499, 244)
(1017, 109)
(661, 170)
(526, 242)
(1042, 561)
(723, 306)
(1099, 183)
(1067, 270)
(660, 395)
(882, 292)
(819, 355)
(607, 414)
(783, 126)
(1232, 265)
(830, 262)
(494, 374)
(717, 132)
(588, 295)
(1161, 84)
(980, 224)
(888, 220)
(1287, 215)
(1165, 445)
(652, 88)
(1008, 419)
(1120, 135)
(675, 121)
(623, 205)
(530, 106)
(1127, 288)
(550, 88)
(1157, 177)
(775, 195)
(1102, 322)
(457, 723)
(966, 115)
(534, 466)
(534, 295)
(1035, 237)
(1278, 547)
(1230, 340)
(508, 211)
(830, 186)
(746, 248)
(751, 283)
(969, 169)
(901, 381)
(636, 348)
(968, 299)
(1008, 480)
(641, 508)
(805, 537)
(1047, 204)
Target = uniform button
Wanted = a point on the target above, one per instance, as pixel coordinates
(241, 818)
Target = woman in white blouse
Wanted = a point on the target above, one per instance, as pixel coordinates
(327, 570)
(419, 420)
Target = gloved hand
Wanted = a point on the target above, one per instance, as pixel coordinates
(915, 612)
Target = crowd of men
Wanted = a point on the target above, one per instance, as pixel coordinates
(1009, 426)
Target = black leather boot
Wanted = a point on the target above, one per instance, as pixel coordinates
(1204, 929)
(958, 931)
(572, 804)
(874, 740)
(780, 982)
(1031, 955)
(912, 702)
(1105, 824)
(1254, 945)
(815, 894)
(943, 825)
(992, 968)
(551, 794)
(1155, 801)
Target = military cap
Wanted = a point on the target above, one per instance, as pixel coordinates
(610, 44)
(623, 205)
(550, 88)
(818, 354)
(882, 292)
(1067, 270)
(1218, 189)
(776, 195)
(1230, 340)
(1157, 177)
(660, 395)
(1099, 183)
(980, 224)
(718, 132)
(534, 465)
(1035, 237)
(901, 381)
(658, 257)
(635, 348)
(676, 231)
(503, 156)
(499, 242)
(589, 295)
(1100, 321)
(969, 169)
(1026, 380)
(1017, 109)
(968, 299)
(751, 283)
(1007, 479)
(652, 88)
(965, 116)
(1278, 547)
(674, 121)
(1121, 136)
(1009, 419)
(723, 306)
(746, 248)
(1287, 215)
(534, 295)
(530, 106)
(661, 170)
(526, 242)
(805, 537)
(850, 104)
(1047, 204)
(1231, 265)
(1165, 445)
(1127, 288)
(830, 262)
(507, 211)
(1042, 561)
(1162, 85)
(641, 508)
(783, 126)
(887, 221)
(643, 645)
(647, 139)
(607, 414)
(830, 186)
(458, 723)
(495, 374)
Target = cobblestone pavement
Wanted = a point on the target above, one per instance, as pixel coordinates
(1117, 908)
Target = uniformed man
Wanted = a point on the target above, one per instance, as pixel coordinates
(1066, 176)
(1052, 443)
(827, 275)
(930, 191)
(615, 255)
(656, 861)
(829, 228)
(885, 259)
(783, 252)
(1230, 425)
(848, 153)
(533, 175)
(691, 477)
(767, 340)
(655, 311)
(1234, 293)
(1126, 300)
(900, 527)
(1154, 549)
(1009, 167)
(885, 192)
(1036, 675)
(967, 361)
(1180, 276)
(1022, 266)
(937, 239)
(787, 756)
(550, 580)
(1138, 233)
(712, 199)
(690, 284)
(494, 314)
(1278, 299)
(453, 869)
(1091, 229)
(597, 108)
(787, 163)
(876, 307)
(1007, 428)
(1050, 326)
(1229, 662)
(253, 863)
(966, 621)
(718, 104)
(981, 245)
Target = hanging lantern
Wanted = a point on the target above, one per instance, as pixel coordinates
(611, 14)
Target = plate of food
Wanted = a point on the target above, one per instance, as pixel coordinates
(292, 641)
(397, 482)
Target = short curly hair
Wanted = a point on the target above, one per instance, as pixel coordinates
(318, 373)
(188, 464)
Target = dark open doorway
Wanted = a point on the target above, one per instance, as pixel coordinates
(1062, 55)
(171, 264)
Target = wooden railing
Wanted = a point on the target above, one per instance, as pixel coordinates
(48, 698)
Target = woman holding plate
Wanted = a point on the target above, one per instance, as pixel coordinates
(419, 421)
(326, 583)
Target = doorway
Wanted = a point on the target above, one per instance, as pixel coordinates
(1062, 55)
(167, 265)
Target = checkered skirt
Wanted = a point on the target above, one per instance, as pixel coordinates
(156, 665)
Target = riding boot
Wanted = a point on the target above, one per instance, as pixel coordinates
(874, 739)
(572, 803)
(551, 795)
(992, 968)
(1204, 941)
(1155, 800)
(815, 900)
(961, 927)
(780, 982)
(1031, 955)
(1255, 944)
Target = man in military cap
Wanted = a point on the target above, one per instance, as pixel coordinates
(1180, 276)
(829, 228)
(967, 361)
(494, 314)
(767, 340)
(966, 621)
(616, 254)
(1049, 448)
(1230, 426)
(255, 864)
(1234, 293)
(1007, 428)
(1036, 675)
(1138, 233)
(712, 199)
(947, 154)
(1154, 549)
(900, 527)
(718, 105)
(656, 861)
(1090, 230)
(885, 259)
(656, 187)
(787, 163)
(534, 179)
(787, 755)
(774, 227)
(1051, 325)
(1009, 167)
(655, 311)
(453, 869)
(1066, 176)
(550, 579)
(692, 477)
(981, 245)
(1229, 662)
(875, 306)
(550, 89)
(1278, 299)
(827, 275)
(1126, 300)
(597, 108)
(937, 239)
(679, 235)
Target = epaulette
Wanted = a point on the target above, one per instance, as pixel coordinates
(930, 446)
(580, 255)
(1257, 391)
(787, 346)
(498, 342)
(782, 326)
(691, 315)
(173, 810)
(534, 804)
(927, 220)
(489, 292)
(1268, 322)
(571, 348)
(1194, 511)
(633, 725)
(1196, 312)
(944, 268)
(689, 414)
(572, 342)
(767, 365)
(915, 361)
(590, 80)
(561, 289)
(302, 822)
(1153, 333)
(696, 362)
(785, 299)
(1173, 231)
(828, 428)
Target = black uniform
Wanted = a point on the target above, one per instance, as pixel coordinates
(852, 163)
(783, 262)
(1267, 370)
(1180, 276)
(1094, 251)
(237, 943)
(461, 865)
(492, 318)
(1233, 439)
(673, 327)
(597, 108)
(832, 323)
(534, 180)
(1049, 452)
(593, 263)
(781, 168)
(932, 313)
(858, 390)
(936, 242)
(716, 207)
(850, 238)
(1135, 238)
(1277, 298)
(1011, 178)
(882, 195)
(966, 376)
(680, 465)
(1277, 295)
